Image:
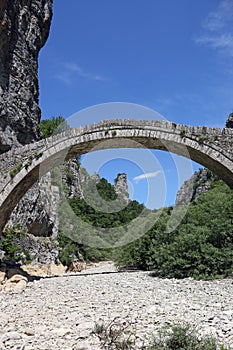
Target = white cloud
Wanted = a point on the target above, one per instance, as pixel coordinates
(74, 68)
(64, 77)
(70, 70)
(223, 41)
(217, 29)
(146, 176)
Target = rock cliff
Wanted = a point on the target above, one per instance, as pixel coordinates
(229, 122)
(37, 211)
(121, 187)
(200, 182)
(24, 28)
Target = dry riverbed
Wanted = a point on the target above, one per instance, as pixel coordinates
(59, 313)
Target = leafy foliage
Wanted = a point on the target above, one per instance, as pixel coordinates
(183, 337)
(201, 247)
(55, 125)
(86, 239)
(10, 244)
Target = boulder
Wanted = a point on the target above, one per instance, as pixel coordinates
(15, 283)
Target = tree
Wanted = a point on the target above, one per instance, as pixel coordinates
(55, 125)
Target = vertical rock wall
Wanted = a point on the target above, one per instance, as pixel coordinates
(121, 187)
(229, 122)
(200, 182)
(24, 29)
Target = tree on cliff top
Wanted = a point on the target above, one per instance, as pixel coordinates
(55, 125)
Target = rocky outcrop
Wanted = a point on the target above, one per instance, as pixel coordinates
(38, 213)
(38, 209)
(121, 187)
(74, 178)
(24, 28)
(229, 122)
(200, 182)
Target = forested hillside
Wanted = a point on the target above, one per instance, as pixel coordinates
(200, 247)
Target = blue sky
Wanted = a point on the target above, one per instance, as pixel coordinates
(172, 56)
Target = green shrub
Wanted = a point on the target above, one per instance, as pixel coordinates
(49, 127)
(183, 337)
(200, 247)
(201, 139)
(10, 244)
(182, 132)
(37, 155)
(16, 170)
(118, 334)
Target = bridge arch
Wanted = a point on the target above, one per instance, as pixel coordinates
(210, 147)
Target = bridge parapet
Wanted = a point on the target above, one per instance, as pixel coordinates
(216, 138)
(20, 168)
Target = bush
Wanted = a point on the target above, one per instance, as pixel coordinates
(183, 337)
(16, 170)
(10, 244)
(201, 247)
(115, 335)
(118, 334)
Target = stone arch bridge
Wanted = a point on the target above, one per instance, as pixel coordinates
(20, 168)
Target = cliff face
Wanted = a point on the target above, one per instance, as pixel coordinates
(229, 122)
(24, 28)
(121, 187)
(200, 182)
(37, 212)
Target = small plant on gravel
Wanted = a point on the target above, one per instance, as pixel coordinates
(116, 335)
(183, 337)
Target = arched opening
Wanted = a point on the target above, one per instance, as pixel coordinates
(119, 134)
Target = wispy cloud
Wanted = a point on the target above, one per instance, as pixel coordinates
(217, 30)
(71, 70)
(177, 99)
(138, 178)
(73, 67)
(223, 41)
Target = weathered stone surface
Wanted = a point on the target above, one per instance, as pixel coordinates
(76, 266)
(24, 28)
(17, 283)
(121, 187)
(200, 182)
(2, 273)
(44, 270)
(229, 122)
(75, 177)
(21, 168)
(2, 254)
(37, 211)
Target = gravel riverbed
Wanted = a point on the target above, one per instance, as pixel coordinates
(59, 313)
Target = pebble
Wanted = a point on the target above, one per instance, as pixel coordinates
(59, 313)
